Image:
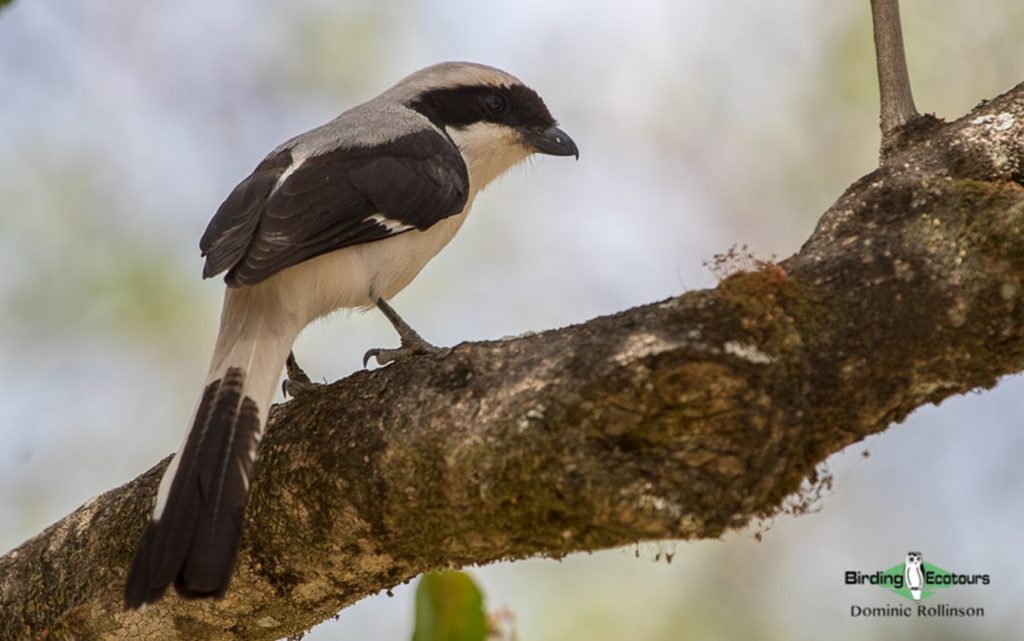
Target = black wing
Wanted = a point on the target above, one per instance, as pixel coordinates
(330, 201)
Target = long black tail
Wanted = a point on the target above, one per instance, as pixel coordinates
(193, 537)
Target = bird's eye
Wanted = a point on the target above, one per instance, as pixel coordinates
(497, 104)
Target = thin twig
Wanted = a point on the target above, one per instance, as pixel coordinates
(897, 99)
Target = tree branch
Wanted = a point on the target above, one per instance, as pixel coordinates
(677, 420)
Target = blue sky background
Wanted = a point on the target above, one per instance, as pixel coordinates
(701, 126)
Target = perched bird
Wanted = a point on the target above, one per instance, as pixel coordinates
(342, 216)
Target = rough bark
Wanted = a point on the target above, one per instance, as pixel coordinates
(677, 420)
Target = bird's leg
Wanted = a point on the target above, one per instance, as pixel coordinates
(412, 342)
(297, 382)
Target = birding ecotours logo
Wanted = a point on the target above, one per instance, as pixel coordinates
(915, 579)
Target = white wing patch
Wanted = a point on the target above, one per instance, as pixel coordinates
(299, 156)
(393, 226)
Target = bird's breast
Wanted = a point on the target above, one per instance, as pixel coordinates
(356, 275)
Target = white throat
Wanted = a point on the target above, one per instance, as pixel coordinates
(489, 150)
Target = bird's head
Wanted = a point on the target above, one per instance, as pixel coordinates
(494, 119)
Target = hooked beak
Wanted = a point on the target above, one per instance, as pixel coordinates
(552, 141)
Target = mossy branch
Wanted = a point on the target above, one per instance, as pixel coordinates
(677, 420)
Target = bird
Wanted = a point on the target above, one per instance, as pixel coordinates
(342, 216)
(913, 574)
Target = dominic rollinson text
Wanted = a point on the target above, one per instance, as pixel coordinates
(898, 611)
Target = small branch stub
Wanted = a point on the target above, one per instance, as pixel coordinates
(897, 99)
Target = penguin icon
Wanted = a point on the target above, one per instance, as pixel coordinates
(914, 574)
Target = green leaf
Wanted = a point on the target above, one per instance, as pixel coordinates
(449, 607)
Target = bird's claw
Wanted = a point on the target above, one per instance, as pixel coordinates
(297, 382)
(295, 389)
(386, 355)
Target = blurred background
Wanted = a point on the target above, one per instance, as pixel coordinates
(702, 125)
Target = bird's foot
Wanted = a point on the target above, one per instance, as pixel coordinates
(410, 347)
(297, 382)
(295, 389)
